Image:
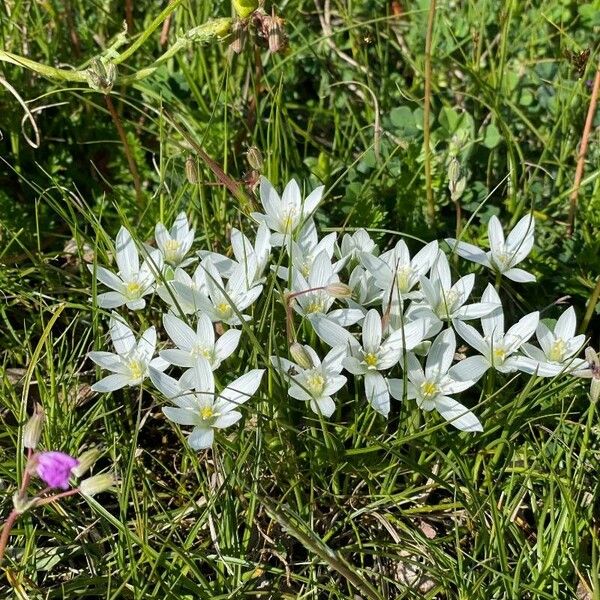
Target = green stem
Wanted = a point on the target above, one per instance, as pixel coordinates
(426, 112)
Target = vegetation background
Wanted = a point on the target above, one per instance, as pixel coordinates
(286, 506)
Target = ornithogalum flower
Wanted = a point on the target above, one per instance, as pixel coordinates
(223, 302)
(176, 243)
(559, 346)
(315, 382)
(53, 468)
(311, 296)
(396, 273)
(503, 255)
(498, 349)
(431, 387)
(447, 301)
(375, 354)
(201, 342)
(286, 214)
(198, 404)
(130, 364)
(178, 293)
(132, 282)
(354, 245)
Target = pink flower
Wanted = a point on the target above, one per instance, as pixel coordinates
(54, 468)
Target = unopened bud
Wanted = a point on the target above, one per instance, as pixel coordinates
(339, 290)
(239, 34)
(33, 428)
(191, 172)
(301, 356)
(86, 460)
(255, 158)
(453, 171)
(275, 33)
(458, 189)
(97, 484)
(100, 76)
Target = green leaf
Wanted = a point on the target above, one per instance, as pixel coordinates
(492, 136)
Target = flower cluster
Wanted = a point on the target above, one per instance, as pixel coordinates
(392, 320)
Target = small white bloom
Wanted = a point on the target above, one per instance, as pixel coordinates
(175, 244)
(558, 347)
(376, 354)
(284, 215)
(498, 349)
(354, 245)
(431, 388)
(178, 293)
(253, 258)
(131, 362)
(197, 403)
(448, 301)
(503, 255)
(314, 298)
(364, 289)
(318, 381)
(132, 282)
(395, 272)
(200, 343)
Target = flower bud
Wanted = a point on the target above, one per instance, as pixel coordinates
(255, 158)
(86, 460)
(339, 290)
(191, 172)
(275, 33)
(97, 484)
(33, 428)
(100, 76)
(239, 34)
(301, 356)
(453, 171)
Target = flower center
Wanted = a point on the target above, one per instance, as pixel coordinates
(207, 413)
(224, 310)
(370, 360)
(133, 290)
(499, 355)
(171, 250)
(315, 306)
(199, 350)
(403, 275)
(136, 369)
(315, 383)
(429, 389)
(502, 259)
(557, 350)
(288, 220)
(445, 307)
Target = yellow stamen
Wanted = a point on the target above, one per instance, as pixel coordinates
(171, 250)
(403, 278)
(557, 350)
(133, 290)
(136, 370)
(224, 309)
(429, 389)
(371, 360)
(316, 306)
(207, 412)
(315, 384)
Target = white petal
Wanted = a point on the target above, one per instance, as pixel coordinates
(110, 300)
(126, 255)
(377, 392)
(354, 366)
(108, 278)
(205, 331)
(496, 236)
(111, 383)
(441, 353)
(519, 275)
(183, 416)
(380, 270)
(227, 343)
(203, 376)
(177, 357)
(147, 344)
(345, 317)
(475, 311)
(470, 369)
(201, 438)
(312, 200)
(457, 414)
(371, 331)
(270, 198)
(424, 258)
(165, 384)
(228, 419)
(240, 390)
(493, 323)
(469, 252)
(291, 197)
(522, 232)
(522, 331)
(122, 337)
(331, 333)
(182, 335)
(332, 363)
(566, 325)
(470, 335)
(108, 360)
(324, 406)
